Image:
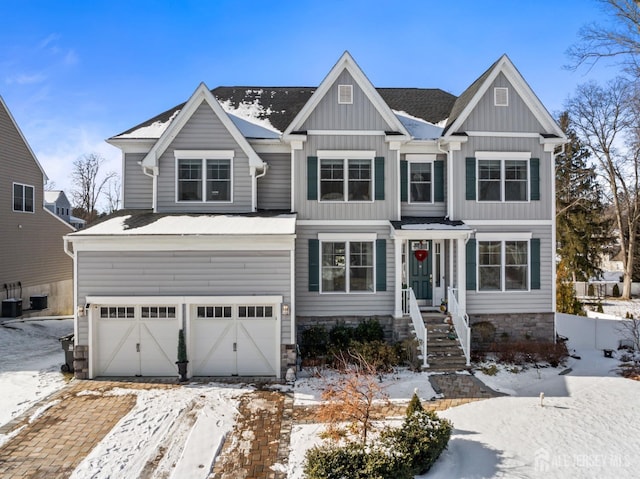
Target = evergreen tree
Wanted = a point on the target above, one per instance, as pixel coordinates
(566, 301)
(581, 224)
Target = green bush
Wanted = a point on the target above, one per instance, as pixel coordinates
(616, 291)
(369, 330)
(340, 336)
(182, 347)
(599, 308)
(414, 405)
(377, 353)
(314, 342)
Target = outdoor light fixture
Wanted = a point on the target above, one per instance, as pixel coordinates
(285, 309)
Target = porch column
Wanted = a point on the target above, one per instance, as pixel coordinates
(462, 275)
(397, 242)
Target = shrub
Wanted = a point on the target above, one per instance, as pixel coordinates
(531, 352)
(616, 291)
(490, 370)
(381, 355)
(369, 330)
(340, 336)
(591, 290)
(314, 342)
(414, 405)
(408, 352)
(599, 308)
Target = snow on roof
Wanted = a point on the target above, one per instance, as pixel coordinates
(51, 196)
(253, 113)
(249, 129)
(418, 128)
(184, 225)
(154, 130)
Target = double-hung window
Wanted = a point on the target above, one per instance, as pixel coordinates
(503, 265)
(204, 176)
(346, 176)
(503, 176)
(420, 182)
(347, 266)
(23, 198)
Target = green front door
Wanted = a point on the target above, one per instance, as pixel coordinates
(420, 272)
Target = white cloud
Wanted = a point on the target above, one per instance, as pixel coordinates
(25, 78)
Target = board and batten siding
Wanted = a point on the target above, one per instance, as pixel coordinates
(341, 210)
(330, 115)
(516, 117)
(310, 303)
(533, 301)
(436, 208)
(32, 247)
(183, 273)
(274, 188)
(204, 131)
(541, 209)
(138, 187)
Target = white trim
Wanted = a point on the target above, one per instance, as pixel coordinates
(292, 294)
(514, 222)
(503, 155)
(348, 91)
(432, 234)
(131, 145)
(345, 174)
(203, 192)
(203, 154)
(177, 300)
(346, 133)
(270, 147)
(33, 198)
(420, 159)
(504, 236)
(503, 134)
(347, 240)
(293, 180)
(347, 236)
(345, 154)
(497, 90)
(343, 222)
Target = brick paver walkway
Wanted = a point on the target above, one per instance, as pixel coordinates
(52, 445)
(461, 386)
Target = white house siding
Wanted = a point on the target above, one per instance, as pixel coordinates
(138, 187)
(313, 303)
(274, 189)
(533, 301)
(517, 211)
(426, 209)
(377, 210)
(204, 131)
(516, 117)
(361, 115)
(183, 273)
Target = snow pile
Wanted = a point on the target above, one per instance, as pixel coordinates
(169, 433)
(154, 130)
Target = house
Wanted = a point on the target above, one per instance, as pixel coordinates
(251, 213)
(34, 266)
(57, 202)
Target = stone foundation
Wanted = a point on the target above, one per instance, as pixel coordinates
(490, 328)
(394, 329)
(81, 362)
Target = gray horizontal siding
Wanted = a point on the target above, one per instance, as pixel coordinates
(138, 187)
(204, 131)
(515, 117)
(361, 115)
(274, 189)
(534, 210)
(381, 209)
(188, 273)
(534, 301)
(426, 209)
(310, 303)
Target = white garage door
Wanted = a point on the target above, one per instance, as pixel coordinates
(136, 340)
(238, 339)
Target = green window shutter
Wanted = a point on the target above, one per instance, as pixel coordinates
(404, 178)
(535, 263)
(471, 179)
(379, 172)
(314, 265)
(438, 180)
(312, 178)
(534, 167)
(471, 264)
(381, 265)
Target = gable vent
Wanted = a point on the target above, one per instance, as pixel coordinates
(345, 94)
(501, 96)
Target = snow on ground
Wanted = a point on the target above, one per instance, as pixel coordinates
(30, 360)
(170, 433)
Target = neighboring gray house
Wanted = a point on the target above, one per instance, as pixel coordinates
(57, 202)
(252, 212)
(32, 261)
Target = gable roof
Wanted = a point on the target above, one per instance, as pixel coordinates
(472, 95)
(346, 62)
(202, 94)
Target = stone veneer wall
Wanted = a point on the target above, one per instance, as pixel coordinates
(394, 329)
(516, 327)
(81, 362)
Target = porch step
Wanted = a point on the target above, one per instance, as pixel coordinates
(443, 348)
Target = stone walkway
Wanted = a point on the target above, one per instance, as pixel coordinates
(52, 445)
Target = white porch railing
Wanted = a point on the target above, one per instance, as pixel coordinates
(410, 307)
(460, 323)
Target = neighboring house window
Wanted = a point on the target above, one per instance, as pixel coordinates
(347, 266)
(503, 178)
(503, 265)
(23, 199)
(204, 176)
(346, 176)
(420, 182)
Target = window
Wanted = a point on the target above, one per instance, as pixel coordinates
(503, 180)
(255, 312)
(153, 312)
(345, 94)
(420, 182)
(204, 176)
(23, 198)
(117, 312)
(356, 185)
(503, 265)
(213, 312)
(347, 266)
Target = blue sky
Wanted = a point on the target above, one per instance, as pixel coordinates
(76, 72)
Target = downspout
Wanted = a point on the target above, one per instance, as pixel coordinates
(553, 234)
(154, 177)
(254, 185)
(449, 177)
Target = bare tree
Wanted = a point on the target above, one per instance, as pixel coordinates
(605, 119)
(88, 184)
(50, 186)
(618, 39)
(112, 194)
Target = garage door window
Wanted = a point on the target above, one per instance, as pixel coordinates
(257, 312)
(117, 312)
(161, 312)
(214, 312)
